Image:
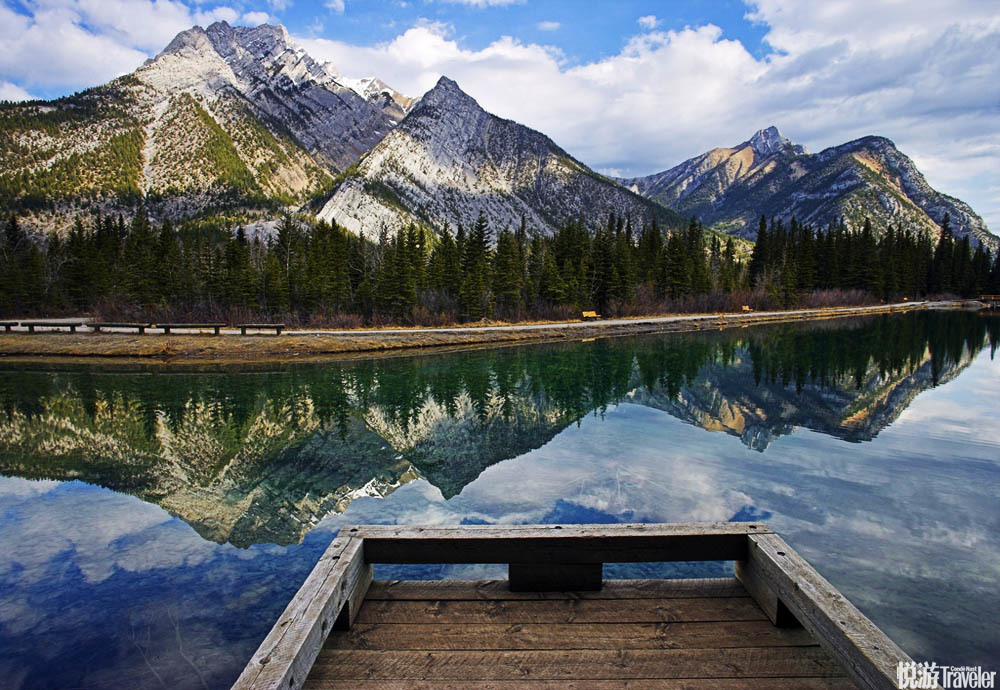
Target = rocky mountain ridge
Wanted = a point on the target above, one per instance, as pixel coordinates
(449, 160)
(730, 188)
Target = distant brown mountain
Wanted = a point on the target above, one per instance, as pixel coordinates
(730, 188)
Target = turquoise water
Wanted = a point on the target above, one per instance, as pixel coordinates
(153, 523)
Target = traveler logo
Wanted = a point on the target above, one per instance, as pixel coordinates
(927, 674)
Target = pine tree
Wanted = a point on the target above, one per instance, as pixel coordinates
(677, 267)
(403, 293)
(603, 268)
(699, 282)
(727, 274)
(536, 261)
(940, 279)
(552, 287)
(650, 254)
(473, 294)
(759, 257)
(507, 275)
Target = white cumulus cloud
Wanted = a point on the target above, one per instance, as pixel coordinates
(256, 18)
(13, 92)
(548, 26)
(71, 44)
(335, 6)
(648, 22)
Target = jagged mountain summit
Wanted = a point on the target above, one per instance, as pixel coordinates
(278, 79)
(730, 188)
(225, 115)
(449, 160)
(767, 142)
(376, 91)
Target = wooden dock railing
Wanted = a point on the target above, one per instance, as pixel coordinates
(570, 557)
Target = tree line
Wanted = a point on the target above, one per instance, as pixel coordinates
(317, 272)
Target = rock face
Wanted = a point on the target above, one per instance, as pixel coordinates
(730, 188)
(278, 80)
(222, 117)
(449, 160)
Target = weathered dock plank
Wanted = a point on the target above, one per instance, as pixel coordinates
(286, 655)
(755, 662)
(608, 684)
(639, 635)
(562, 611)
(550, 636)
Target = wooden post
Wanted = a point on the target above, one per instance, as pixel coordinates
(555, 577)
(748, 573)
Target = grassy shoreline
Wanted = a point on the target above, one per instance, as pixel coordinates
(295, 345)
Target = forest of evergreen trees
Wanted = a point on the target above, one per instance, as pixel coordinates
(315, 273)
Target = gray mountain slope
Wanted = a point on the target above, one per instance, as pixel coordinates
(449, 160)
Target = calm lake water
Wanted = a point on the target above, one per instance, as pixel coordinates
(154, 523)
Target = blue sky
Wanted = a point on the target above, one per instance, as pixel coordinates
(628, 87)
(583, 31)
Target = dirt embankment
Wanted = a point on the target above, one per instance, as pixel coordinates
(294, 345)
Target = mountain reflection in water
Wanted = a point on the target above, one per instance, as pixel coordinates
(254, 460)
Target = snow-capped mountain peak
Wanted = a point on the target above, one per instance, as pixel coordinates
(767, 142)
(377, 92)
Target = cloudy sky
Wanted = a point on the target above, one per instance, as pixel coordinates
(629, 87)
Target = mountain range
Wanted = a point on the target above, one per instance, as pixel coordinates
(731, 188)
(243, 122)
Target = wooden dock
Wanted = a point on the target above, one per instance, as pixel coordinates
(556, 624)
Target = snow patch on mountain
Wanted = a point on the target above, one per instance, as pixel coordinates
(769, 141)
